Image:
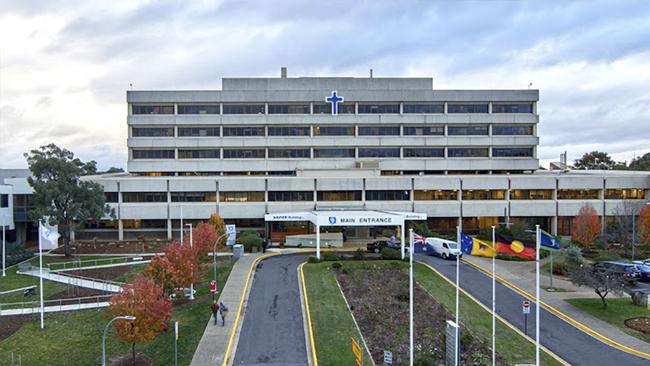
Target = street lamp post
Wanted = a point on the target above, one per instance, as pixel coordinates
(191, 244)
(214, 258)
(126, 317)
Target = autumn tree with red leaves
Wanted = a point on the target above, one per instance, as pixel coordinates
(203, 237)
(217, 222)
(643, 225)
(175, 270)
(586, 225)
(145, 300)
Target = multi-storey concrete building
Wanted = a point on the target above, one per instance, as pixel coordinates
(266, 145)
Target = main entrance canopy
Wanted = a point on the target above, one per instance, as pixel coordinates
(348, 218)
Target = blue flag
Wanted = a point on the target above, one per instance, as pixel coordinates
(466, 243)
(547, 240)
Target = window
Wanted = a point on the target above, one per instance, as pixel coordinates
(342, 108)
(531, 194)
(367, 152)
(153, 154)
(512, 108)
(243, 153)
(471, 195)
(288, 131)
(467, 108)
(275, 196)
(338, 195)
(243, 131)
(378, 108)
(512, 130)
(467, 152)
(424, 130)
(152, 109)
(199, 109)
(333, 130)
(241, 196)
(111, 197)
(424, 152)
(144, 197)
(392, 195)
(333, 153)
(424, 108)
(194, 196)
(243, 109)
(199, 154)
(289, 153)
(198, 131)
(378, 130)
(577, 194)
(467, 130)
(153, 132)
(144, 224)
(512, 152)
(625, 194)
(435, 195)
(289, 109)
(4, 200)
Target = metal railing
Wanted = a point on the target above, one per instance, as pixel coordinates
(33, 307)
(77, 264)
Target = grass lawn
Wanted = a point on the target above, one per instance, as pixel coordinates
(618, 310)
(332, 322)
(15, 281)
(74, 338)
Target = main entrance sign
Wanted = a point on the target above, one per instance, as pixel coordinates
(334, 100)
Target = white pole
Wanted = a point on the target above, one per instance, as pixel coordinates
(318, 241)
(457, 295)
(537, 248)
(40, 261)
(191, 284)
(494, 301)
(410, 295)
(4, 252)
(182, 227)
(402, 240)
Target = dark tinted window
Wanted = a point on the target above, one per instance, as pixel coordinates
(110, 196)
(378, 108)
(289, 153)
(243, 131)
(4, 200)
(424, 130)
(467, 130)
(243, 109)
(467, 108)
(288, 131)
(338, 195)
(199, 131)
(512, 151)
(424, 108)
(424, 152)
(199, 109)
(153, 154)
(512, 108)
(333, 153)
(243, 154)
(514, 130)
(144, 197)
(374, 152)
(378, 130)
(333, 130)
(291, 196)
(194, 196)
(152, 109)
(199, 154)
(392, 195)
(289, 109)
(153, 132)
(467, 152)
(343, 108)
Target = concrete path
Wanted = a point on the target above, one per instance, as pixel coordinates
(55, 308)
(213, 344)
(74, 281)
(520, 274)
(573, 345)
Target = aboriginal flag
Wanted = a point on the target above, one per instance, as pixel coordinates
(519, 248)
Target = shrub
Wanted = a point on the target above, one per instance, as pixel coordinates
(312, 259)
(561, 268)
(510, 257)
(358, 255)
(16, 253)
(390, 253)
(573, 254)
(337, 265)
(331, 257)
(251, 241)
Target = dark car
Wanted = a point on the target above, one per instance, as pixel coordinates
(644, 271)
(627, 270)
(378, 245)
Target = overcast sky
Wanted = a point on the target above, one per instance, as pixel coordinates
(65, 66)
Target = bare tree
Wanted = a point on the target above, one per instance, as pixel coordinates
(620, 230)
(602, 281)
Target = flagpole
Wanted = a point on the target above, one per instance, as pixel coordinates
(494, 301)
(537, 248)
(457, 294)
(182, 227)
(40, 269)
(410, 297)
(4, 252)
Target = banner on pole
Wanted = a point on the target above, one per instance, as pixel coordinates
(176, 330)
(49, 235)
(232, 235)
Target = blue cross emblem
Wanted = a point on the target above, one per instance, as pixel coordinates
(335, 100)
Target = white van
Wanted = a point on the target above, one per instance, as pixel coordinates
(446, 249)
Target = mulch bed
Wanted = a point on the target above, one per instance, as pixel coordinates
(641, 324)
(10, 324)
(378, 297)
(127, 360)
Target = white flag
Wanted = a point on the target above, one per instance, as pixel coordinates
(50, 236)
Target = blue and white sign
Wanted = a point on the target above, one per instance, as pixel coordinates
(232, 235)
(334, 100)
(332, 220)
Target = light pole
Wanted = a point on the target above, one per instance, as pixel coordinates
(125, 317)
(191, 284)
(214, 258)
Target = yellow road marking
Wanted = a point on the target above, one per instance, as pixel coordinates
(311, 332)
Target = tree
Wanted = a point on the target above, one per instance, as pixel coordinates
(176, 269)
(601, 281)
(597, 160)
(204, 236)
(643, 225)
(586, 225)
(60, 194)
(145, 300)
(218, 223)
(641, 162)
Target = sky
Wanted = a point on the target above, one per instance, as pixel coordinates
(65, 66)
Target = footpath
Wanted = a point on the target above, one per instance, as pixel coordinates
(522, 275)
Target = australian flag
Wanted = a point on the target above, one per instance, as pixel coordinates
(419, 243)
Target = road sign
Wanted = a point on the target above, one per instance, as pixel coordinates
(213, 286)
(356, 350)
(526, 307)
(388, 357)
(232, 235)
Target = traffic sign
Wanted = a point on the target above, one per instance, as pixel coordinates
(388, 357)
(213, 286)
(526, 307)
(356, 350)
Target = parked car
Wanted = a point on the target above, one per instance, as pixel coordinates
(644, 271)
(378, 245)
(446, 249)
(627, 270)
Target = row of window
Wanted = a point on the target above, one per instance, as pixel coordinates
(394, 130)
(376, 195)
(326, 108)
(328, 153)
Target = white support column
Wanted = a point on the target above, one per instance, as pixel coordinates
(120, 230)
(318, 241)
(411, 251)
(402, 239)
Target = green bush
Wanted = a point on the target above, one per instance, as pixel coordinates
(16, 253)
(251, 241)
(573, 254)
(510, 257)
(331, 257)
(561, 268)
(337, 265)
(358, 255)
(390, 253)
(312, 259)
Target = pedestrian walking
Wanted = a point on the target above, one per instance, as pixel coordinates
(223, 310)
(265, 244)
(215, 311)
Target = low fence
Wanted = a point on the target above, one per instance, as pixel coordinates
(81, 263)
(33, 307)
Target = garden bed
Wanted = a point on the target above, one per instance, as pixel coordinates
(641, 324)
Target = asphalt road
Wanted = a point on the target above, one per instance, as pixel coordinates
(565, 340)
(272, 332)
